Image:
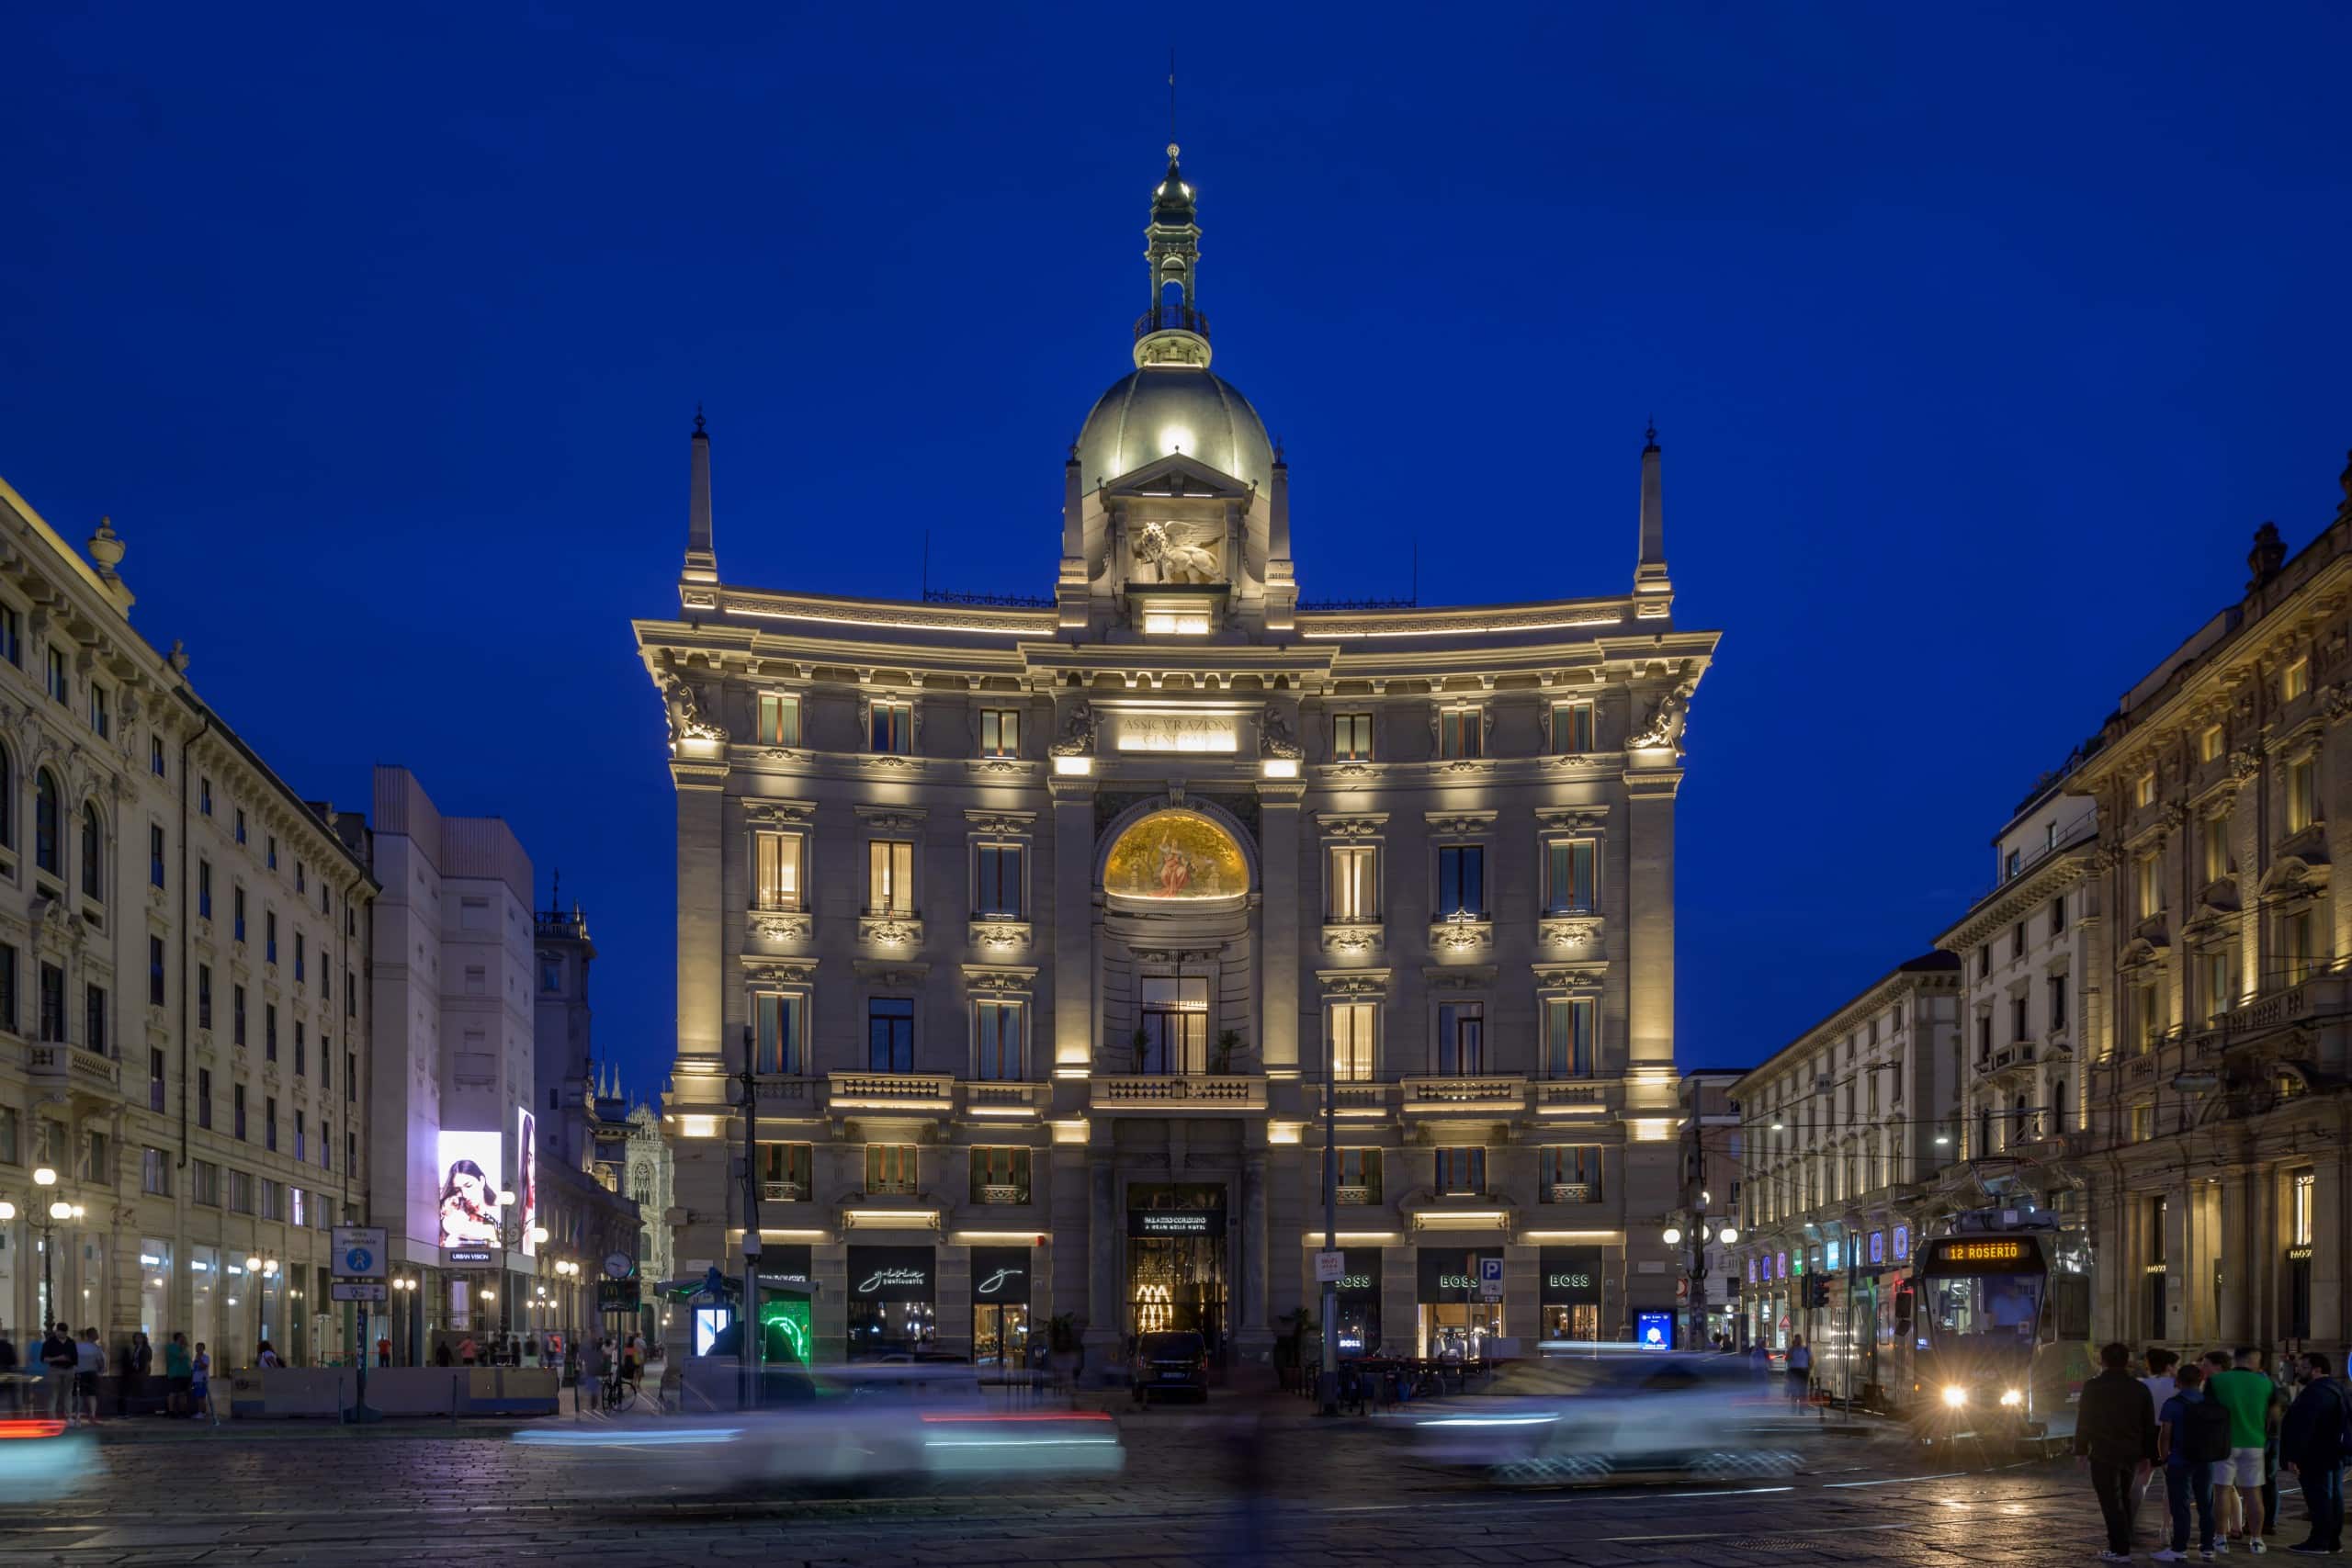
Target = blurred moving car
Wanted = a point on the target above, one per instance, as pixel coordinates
(1613, 1418)
(1169, 1362)
(41, 1459)
(862, 1424)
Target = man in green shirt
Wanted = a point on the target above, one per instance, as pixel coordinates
(177, 1372)
(2245, 1394)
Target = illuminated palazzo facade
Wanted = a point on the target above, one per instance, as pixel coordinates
(1042, 925)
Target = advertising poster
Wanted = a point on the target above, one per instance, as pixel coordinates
(469, 1164)
(526, 1176)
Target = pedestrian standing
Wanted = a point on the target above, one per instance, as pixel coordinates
(2115, 1437)
(468, 1352)
(2188, 1428)
(2272, 1416)
(177, 1374)
(7, 1371)
(1759, 1361)
(2245, 1394)
(268, 1357)
(2314, 1440)
(2161, 1387)
(89, 1366)
(1800, 1371)
(200, 1385)
(384, 1352)
(531, 1351)
(57, 1358)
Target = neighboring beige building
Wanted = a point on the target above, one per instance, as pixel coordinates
(183, 958)
(1043, 919)
(2217, 1102)
(1846, 1130)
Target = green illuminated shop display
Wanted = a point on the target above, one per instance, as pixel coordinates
(790, 1315)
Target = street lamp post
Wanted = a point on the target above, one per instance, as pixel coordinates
(256, 1271)
(45, 1178)
(404, 1287)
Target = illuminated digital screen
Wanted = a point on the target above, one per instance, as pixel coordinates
(1981, 1251)
(2001, 1255)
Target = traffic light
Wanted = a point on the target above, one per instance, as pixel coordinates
(1816, 1290)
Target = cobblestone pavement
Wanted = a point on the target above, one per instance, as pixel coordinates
(1200, 1487)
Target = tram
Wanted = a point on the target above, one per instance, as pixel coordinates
(1990, 1335)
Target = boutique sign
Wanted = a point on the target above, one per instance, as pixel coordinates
(891, 1273)
(1000, 1274)
(1571, 1275)
(1175, 1222)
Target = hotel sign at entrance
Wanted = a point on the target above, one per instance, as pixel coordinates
(1175, 1222)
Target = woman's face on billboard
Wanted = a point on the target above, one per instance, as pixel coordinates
(469, 1187)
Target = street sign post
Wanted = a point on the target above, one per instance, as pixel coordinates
(1490, 1278)
(1331, 1267)
(362, 1259)
(359, 1252)
(358, 1290)
(619, 1265)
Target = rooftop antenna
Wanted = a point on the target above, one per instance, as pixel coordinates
(555, 892)
(1416, 572)
(1171, 100)
(926, 566)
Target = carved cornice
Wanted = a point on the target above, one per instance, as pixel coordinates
(1573, 819)
(1350, 937)
(1462, 936)
(1002, 824)
(1177, 954)
(1000, 979)
(1351, 825)
(763, 971)
(1009, 936)
(889, 931)
(1570, 976)
(1570, 931)
(1459, 824)
(1352, 982)
(780, 925)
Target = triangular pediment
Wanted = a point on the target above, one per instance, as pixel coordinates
(1177, 474)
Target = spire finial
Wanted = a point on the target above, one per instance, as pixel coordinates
(1172, 103)
(698, 418)
(1649, 436)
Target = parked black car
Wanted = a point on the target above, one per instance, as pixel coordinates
(1176, 1361)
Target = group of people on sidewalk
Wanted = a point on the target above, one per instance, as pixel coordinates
(2221, 1430)
(70, 1364)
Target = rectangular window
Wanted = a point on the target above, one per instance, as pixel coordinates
(96, 1164)
(2303, 793)
(326, 1142)
(269, 1031)
(785, 1172)
(100, 718)
(61, 686)
(996, 1041)
(326, 1063)
(1351, 738)
(11, 1124)
(2144, 790)
(271, 857)
(999, 1175)
(52, 1004)
(2146, 890)
(269, 1121)
(155, 971)
(2017, 1019)
(999, 732)
(1571, 729)
(1569, 876)
(204, 796)
(1462, 1038)
(241, 824)
(298, 963)
(2303, 1197)
(1358, 1176)
(351, 1078)
(1354, 890)
(997, 880)
(890, 877)
(1569, 1173)
(94, 1019)
(2299, 946)
(893, 727)
(779, 1022)
(2295, 680)
(269, 936)
(2208, 743)
(779, 719)
(237, 914)
(1461, 732)
(154, 855)
(300, 1055)
(300, 885)
(2213, 846)
(1461, 881)
(237, 1014)
(204, 1183)
(1353, 1052)
(2057, 914)
(154, 1080)
(8, 1020)
(2144, 1123)
(2213, 988)
(1462, 1172)
(237, 1110)
(204, 889)
(272, 1200)
(204, 1097)
(2057, 985)
(301, 1135)
(1568, 1037)
(890, 1035)
(155, 755)
(155, 1173)
(776, 881)
(12, 637)
(890, 1170)
(1174, 1024)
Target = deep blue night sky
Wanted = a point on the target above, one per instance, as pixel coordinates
(1979, 340)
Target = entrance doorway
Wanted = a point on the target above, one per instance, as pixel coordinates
(1000, 1334)
(1176, 1263)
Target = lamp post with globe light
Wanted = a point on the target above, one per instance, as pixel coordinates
(48, 1212)
(257, 1269)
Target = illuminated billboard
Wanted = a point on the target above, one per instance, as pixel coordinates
(469, 1164)
(526, 1179)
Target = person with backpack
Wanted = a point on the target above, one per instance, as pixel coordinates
(2115, 1437)
(2192, 1433)
(2314, 1439)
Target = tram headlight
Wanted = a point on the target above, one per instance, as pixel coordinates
(1955, 1395)
(2011, 1398)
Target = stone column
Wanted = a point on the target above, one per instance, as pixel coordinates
(1106, 1239)
(698, 1085)
(952, 1299)
(1253, 1337)
(1278, 917)
(2329, 1331)
(1073, 829)
(1642, 943)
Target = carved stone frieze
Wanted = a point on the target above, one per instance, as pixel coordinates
(1351, 939)
(779, 972)
(1003, 935)
(888, 931)
(1573, 819)
(1570, 976)
(1460, 823)
(999, 980)
(1574, 930)
(781, 925)
(1002, 824)
(1366, 826)
(1352, 982)
(779, 813)
(1462, 936)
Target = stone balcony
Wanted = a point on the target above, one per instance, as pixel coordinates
(1481, 1094)
(55, 1066)
(1178, 1092)
(920, 1092)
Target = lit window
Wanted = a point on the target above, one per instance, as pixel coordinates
(996, 1041)
(1351, 736)
(1569, 876)
(2295, 680)
(1569, 1037)
(2208, 743)
(779, 720)
(2306, 1193)
(893, 727)
(2213, 844)
(890, 877)
(890, 1170)
(2147, 891)
(1461, 732)
(999, 732)
(1351, 1042)
(777, 1030)
(1570, 1173)
(1354, 894)
(1000, 1174)
(1461, 1172)
(1358, 1176)
(1571, 728)
(2144, 790)
(2303, 793)
(775, 871)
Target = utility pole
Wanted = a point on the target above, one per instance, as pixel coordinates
(751, 1337)
(1327, 1385)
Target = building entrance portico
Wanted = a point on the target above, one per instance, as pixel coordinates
(1176, 1260)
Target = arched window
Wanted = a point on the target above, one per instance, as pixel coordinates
(93, 855)
(48, 854)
